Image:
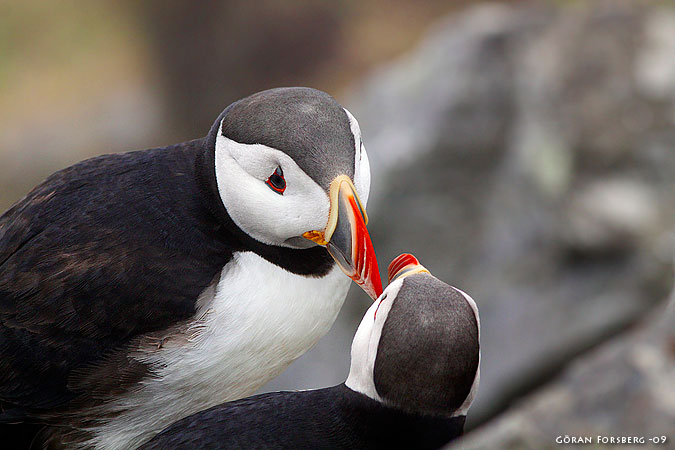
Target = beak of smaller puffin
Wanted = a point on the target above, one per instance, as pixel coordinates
(403, 265)
(346, 237)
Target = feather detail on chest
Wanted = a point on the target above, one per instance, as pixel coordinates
(260, 316)
(250, 325)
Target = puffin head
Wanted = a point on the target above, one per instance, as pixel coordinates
(291, 171)
(417, 348)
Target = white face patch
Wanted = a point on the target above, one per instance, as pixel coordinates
(241, 173)
(361, 164)
(366, 341)
(464, 408)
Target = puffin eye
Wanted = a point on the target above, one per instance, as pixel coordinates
(277, 182)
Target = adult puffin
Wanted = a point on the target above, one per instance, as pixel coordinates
(139, 288)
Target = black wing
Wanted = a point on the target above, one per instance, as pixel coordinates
(331, 418)
(103, 251)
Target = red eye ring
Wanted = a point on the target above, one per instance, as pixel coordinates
(277, 182)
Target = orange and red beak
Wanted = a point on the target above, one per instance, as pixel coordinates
(403, 265)
(346, 237)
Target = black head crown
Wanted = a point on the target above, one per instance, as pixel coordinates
(428, 354)
(306, 124)
(290, 172)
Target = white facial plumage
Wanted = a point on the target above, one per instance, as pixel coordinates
(241, 174)
(366, 341)
(362, 164)
(464, 408)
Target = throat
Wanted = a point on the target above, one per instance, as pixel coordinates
(268, 315)
(314, 261)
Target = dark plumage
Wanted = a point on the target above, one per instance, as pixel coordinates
(331, 419)
(404, 367)
(304, 130)
(83, 261)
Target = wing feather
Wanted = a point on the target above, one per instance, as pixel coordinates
(101, 252)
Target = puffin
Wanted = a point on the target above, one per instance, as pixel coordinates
(415, 369)
(142, 287)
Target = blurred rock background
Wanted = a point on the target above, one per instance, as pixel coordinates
(523, 151)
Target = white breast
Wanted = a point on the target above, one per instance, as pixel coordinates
(261, 319)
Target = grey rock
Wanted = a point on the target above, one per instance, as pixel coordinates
(611, 214)
(622, 389)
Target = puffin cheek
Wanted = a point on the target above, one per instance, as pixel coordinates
(305, 211)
